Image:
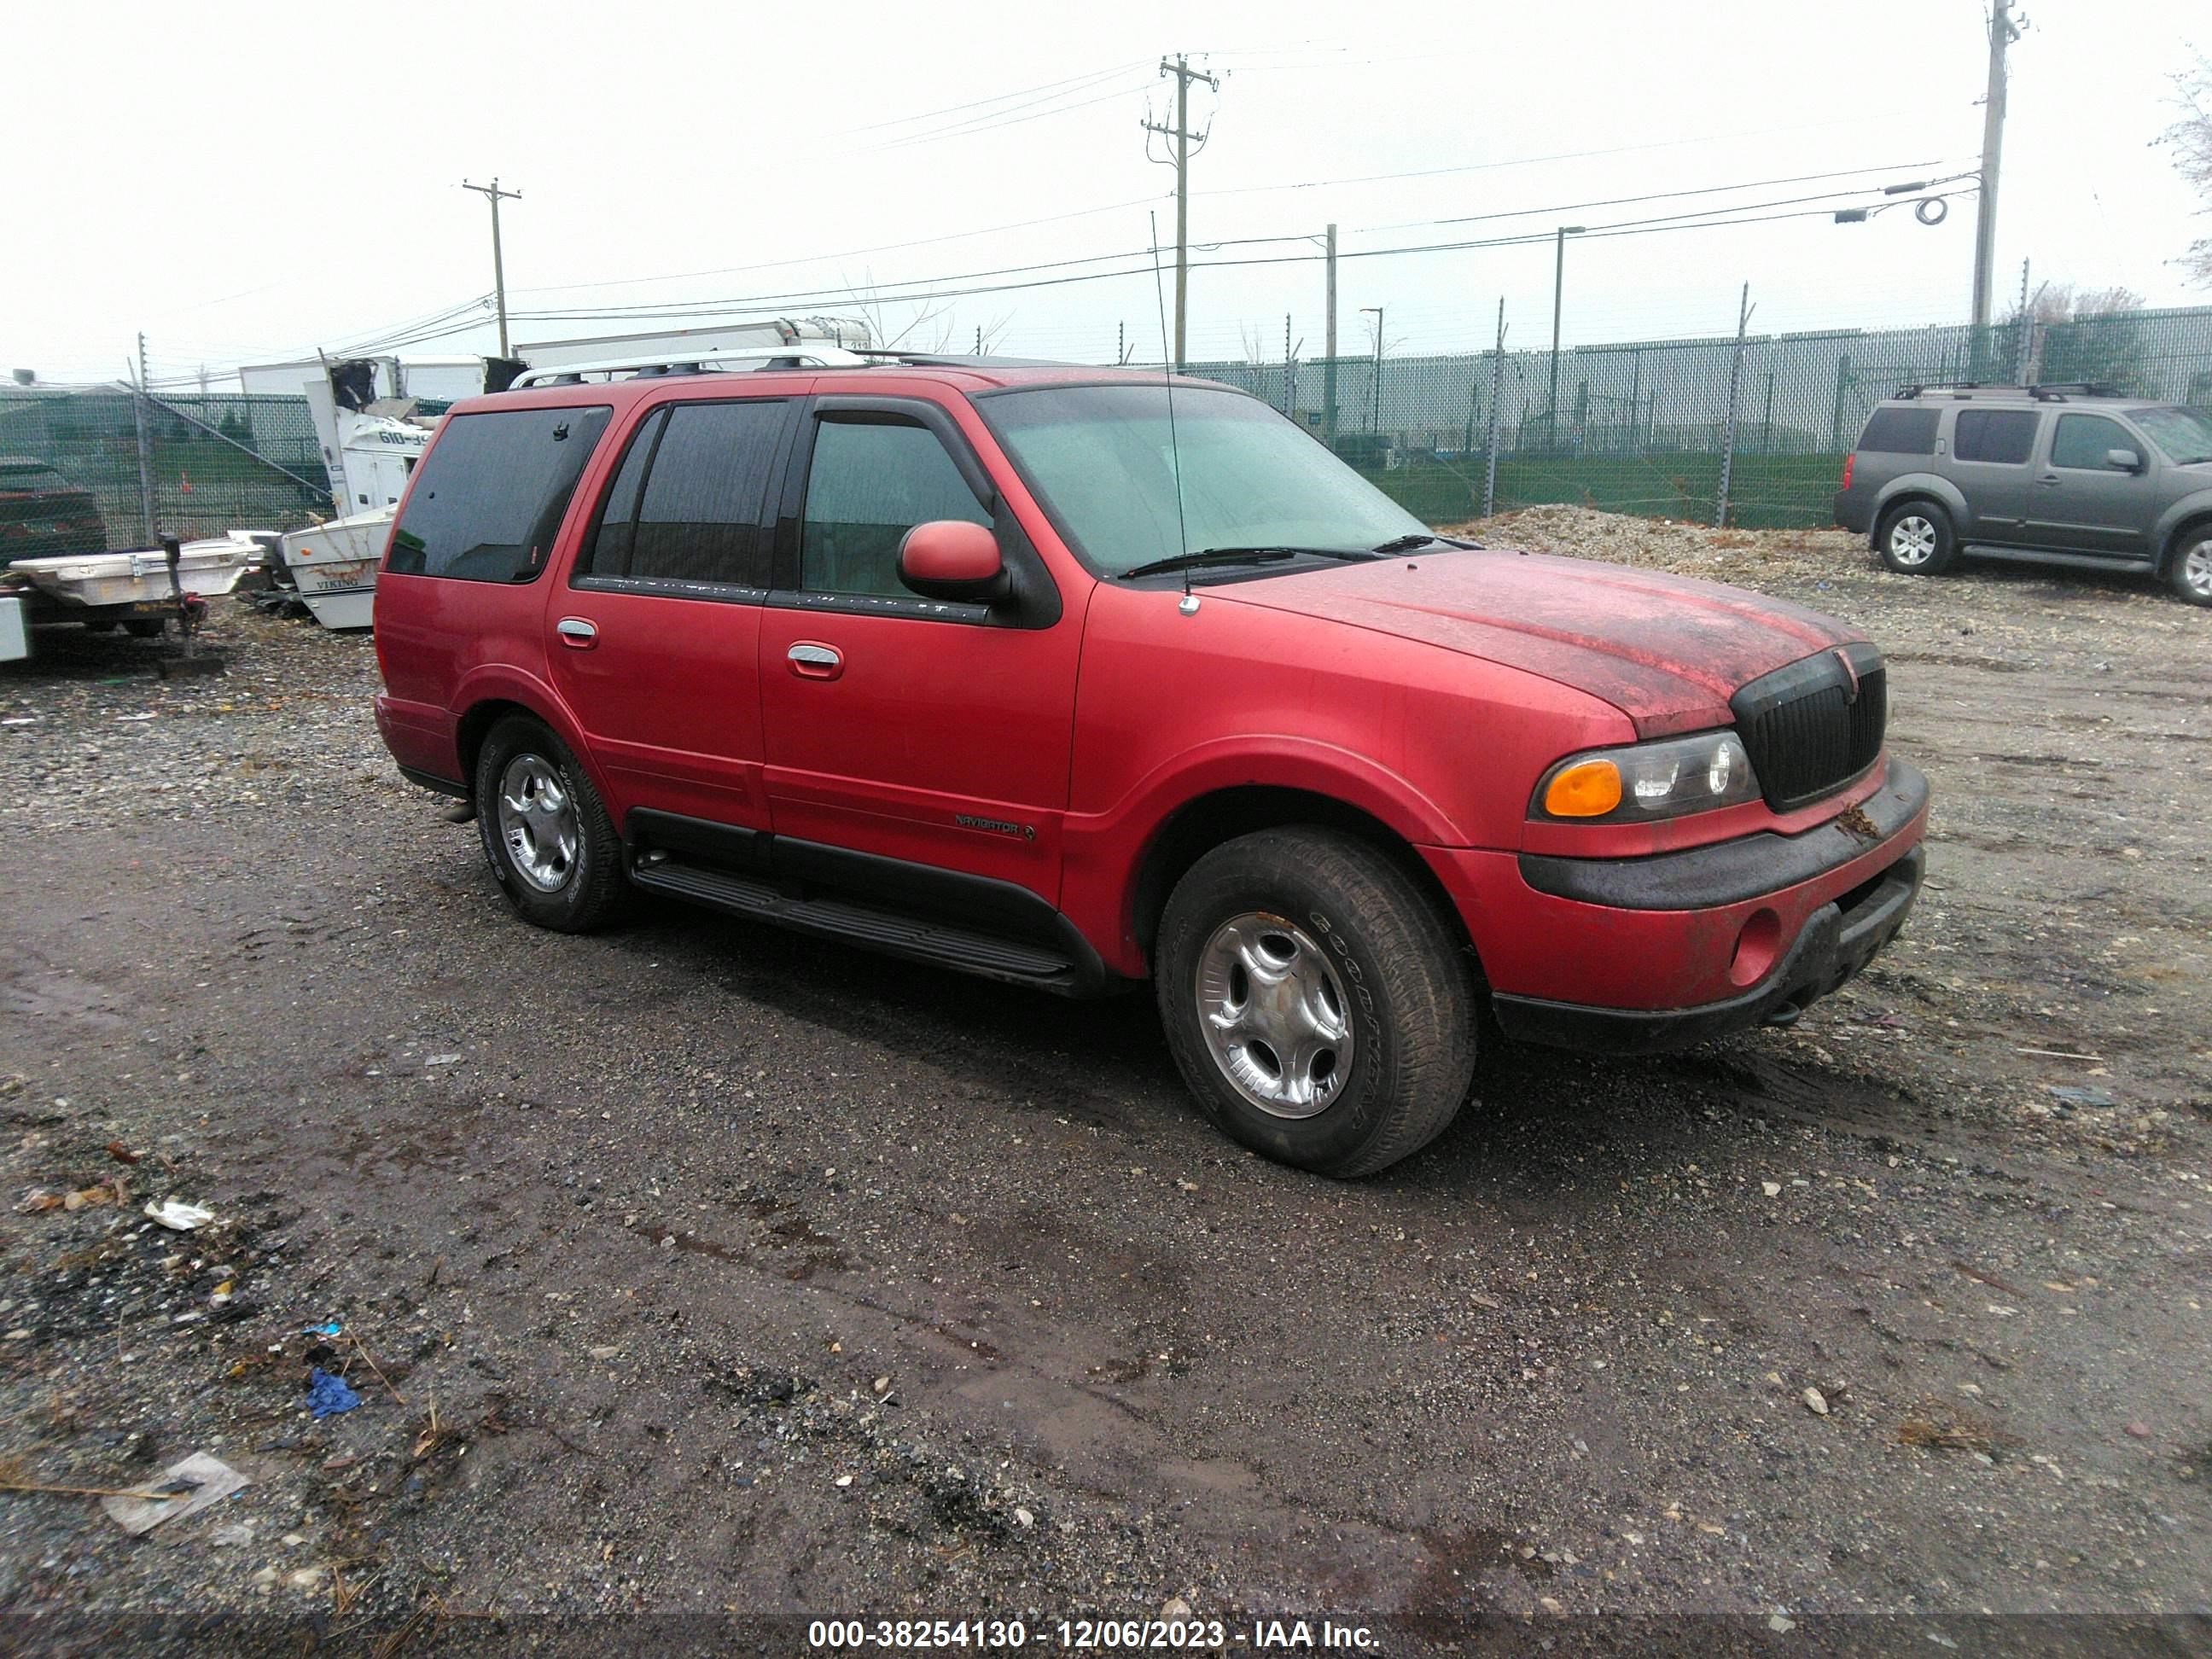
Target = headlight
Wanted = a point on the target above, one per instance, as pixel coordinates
(1648, 780)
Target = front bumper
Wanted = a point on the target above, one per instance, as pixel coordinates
(1836, 941)
(1632, 955)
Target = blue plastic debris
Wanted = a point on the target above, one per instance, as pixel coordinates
(328, 1327)
(329, 1394)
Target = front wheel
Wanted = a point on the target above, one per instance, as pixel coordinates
(548, 837)
(1317, 1002)
(1916, 540)
(2191, 574)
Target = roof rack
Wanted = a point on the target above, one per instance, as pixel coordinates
(632, 368)
(2046, 391)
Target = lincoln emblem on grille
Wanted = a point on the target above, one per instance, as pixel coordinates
(1850, 676)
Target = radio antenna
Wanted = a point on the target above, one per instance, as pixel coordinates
(1175, 448)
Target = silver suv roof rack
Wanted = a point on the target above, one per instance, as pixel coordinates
(632, 368)
(2048, 392)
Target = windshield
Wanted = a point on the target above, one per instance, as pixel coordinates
(2184, 436)
(1102, 460)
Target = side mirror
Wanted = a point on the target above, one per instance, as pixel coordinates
(953, 559)
(2126, 460)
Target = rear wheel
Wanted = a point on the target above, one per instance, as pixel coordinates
(1915, 539)
(2191, 572)
(546, 835)
(1315, 1000)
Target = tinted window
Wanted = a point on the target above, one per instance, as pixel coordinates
(1901, 431)
(2004, 436)
(685, 504)
(2082, 439)
(868, 486)
(608, 552)
(492, 492)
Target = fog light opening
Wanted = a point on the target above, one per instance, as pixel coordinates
(1756, 947)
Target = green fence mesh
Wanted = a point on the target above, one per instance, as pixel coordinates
(215, 462)
(1640, 426)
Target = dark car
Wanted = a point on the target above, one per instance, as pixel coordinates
(2074, 475)
(43, 514)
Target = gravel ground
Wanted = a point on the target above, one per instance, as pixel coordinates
(699, 1269)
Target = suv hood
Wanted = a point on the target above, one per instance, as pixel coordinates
(1666, 651)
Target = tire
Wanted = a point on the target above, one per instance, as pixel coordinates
(545, 832)
(2190, 573)
(145, 627)
(1915, 539)
(1359, 959)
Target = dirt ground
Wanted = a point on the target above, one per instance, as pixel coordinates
(701, 1270)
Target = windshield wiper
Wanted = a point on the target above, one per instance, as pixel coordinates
(1209, 557)
(1407, 543)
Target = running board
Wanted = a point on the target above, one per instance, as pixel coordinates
(936, 942)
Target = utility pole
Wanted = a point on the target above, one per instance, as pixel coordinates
(1559, 290)
(2003, 31)
(1376, 313)
(1181, 133)
(492, 194)
(1328, 374)
(1744, 309)
(145, 449)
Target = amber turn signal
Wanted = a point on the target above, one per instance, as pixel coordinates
(1589, 789)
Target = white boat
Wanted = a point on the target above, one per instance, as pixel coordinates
(334, 567)
(372, 434)
(88, 582)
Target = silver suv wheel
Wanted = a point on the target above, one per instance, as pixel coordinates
(2196, 571)
(1913, 540)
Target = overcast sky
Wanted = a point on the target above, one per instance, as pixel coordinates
(248, 182)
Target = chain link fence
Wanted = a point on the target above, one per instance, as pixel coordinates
(1642, 426)
(195, 464)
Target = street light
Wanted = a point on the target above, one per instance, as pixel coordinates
(1558, 283)
(1376, 313)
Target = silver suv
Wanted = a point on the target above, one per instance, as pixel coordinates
(2073, 475)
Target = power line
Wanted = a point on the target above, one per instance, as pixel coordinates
(927, 287)
(993, 124)
(1073, 82)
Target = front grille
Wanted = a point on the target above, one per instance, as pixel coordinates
(1808, 729)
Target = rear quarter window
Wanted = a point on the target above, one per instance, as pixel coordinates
(1901, 431)
(489, 496)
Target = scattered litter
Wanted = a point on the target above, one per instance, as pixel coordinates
(1771, 1188)
(605, 1351)
(844, 1480)
(2058, 1053)
(1782, 1624)
(21, 719)
(1022, 1518)
(185, 1488)
(121, 1153)
(443, 1060)
(121, 720)
(329, 1394)
(1815, 1402)
(177, 1216)
(328, 1327)
(231, 1537)
(2083, 1095)
(881, 1385)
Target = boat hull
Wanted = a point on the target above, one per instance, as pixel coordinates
(334, 567)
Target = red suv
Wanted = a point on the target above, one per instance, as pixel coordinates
(1075, 678)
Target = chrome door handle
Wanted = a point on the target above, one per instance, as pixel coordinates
(577, 633)
(815, 662)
